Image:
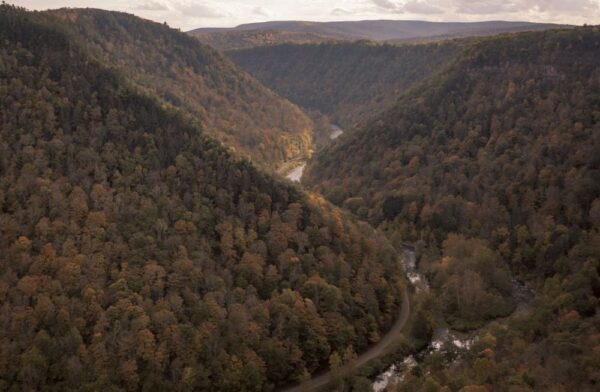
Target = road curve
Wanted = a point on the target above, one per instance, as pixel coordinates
(322, 380)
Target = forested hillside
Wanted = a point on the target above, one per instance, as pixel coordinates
(495, 161)
(197, 79)
(137, 253)
(349, 82)
(228, 40)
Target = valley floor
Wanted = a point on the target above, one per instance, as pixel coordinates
(293, 170)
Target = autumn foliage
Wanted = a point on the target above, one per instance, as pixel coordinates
(136, 252)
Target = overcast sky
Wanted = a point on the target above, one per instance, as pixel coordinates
(189, 14)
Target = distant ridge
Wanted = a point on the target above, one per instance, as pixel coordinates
(346, 81)
(384, 30)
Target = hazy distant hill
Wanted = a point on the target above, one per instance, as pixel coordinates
(378, 30)
(347, 81)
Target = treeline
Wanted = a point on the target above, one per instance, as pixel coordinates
(197, 79)
(244, 39)
(348, 82)
(503, 149)
(136, 252)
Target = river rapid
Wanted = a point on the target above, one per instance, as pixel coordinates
(444, 339)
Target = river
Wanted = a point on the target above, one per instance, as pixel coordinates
(296, 173)
(444, 339)
(335, 132)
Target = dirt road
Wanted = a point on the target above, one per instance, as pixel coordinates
(322, 380)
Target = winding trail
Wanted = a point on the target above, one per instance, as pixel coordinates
(378, 349)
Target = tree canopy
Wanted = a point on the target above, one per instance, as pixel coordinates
(494, 163)
(137, 252)
(196, 79)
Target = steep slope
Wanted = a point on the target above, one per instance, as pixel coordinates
(504, 93)
(504, 148)
(136, 252)
(244, 39)
(382, 30)
(197, 79)
(348, 82)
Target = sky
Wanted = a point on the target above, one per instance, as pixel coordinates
(190, 14)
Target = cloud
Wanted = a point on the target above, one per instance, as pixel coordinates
(386, 5)
(258, 10)
(198, 10)
(341, 12)
(421, 7)
(486, 7)
(151, 6)
(189, 14)
(574, 6)
(490, 7)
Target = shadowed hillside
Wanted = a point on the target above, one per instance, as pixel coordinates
(349, 82)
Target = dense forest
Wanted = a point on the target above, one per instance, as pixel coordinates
(146, 244)
(494, 164)
(244, 39)
(138, 253)
(348, 82)
(197, 79)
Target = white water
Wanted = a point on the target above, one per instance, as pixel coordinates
(443, 338)
(394, 374)
(410, 268)
(335, 132)
(296, 174)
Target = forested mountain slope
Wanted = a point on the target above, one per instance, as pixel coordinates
(188, 75)
(348, 82)
(228, 40)
(503, 148)
(136, 252)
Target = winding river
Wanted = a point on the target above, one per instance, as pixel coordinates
(443, 339)
(296, 173)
